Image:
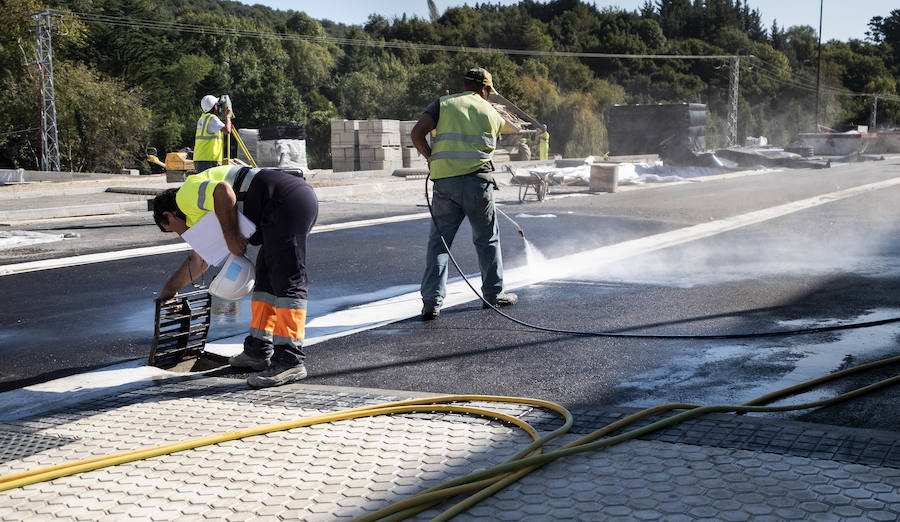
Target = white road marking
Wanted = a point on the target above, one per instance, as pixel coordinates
(62, 262)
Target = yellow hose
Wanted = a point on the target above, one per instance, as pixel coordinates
(487, 481)
(589, 442)
(16, 480)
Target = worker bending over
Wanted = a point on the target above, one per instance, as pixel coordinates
(283, 208)
(209, 140)
(467, 132)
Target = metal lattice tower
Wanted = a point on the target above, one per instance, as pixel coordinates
(733, 100)
(43, 29)
(873, 117)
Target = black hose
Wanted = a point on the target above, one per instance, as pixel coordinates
(778, 333)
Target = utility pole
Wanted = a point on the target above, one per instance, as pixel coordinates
(819, 65)
(733, 101)
(873, 118)
(43, 29)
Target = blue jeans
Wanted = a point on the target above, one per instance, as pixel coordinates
(200, 166)
(454, 199)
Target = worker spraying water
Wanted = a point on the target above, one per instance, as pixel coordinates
(467, 132)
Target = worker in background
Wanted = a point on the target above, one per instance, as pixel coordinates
(208, 140)
(283, 208)
(544, 144)
(467, 132)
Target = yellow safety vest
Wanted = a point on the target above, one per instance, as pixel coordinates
(544, 145)
(195, 197)
(207, 145)
(467, 131)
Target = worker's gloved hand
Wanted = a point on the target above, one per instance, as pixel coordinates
(168, 300)
(170, 305)
(237, 245)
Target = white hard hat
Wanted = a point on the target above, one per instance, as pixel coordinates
(235, 279)
(208, 102)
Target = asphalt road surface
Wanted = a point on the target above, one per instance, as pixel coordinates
(828, 261)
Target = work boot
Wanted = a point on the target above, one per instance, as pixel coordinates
(430, 312)
(502, 299)
(277, 375)
(243, 360)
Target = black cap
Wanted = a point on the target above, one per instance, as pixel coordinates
(480, 76)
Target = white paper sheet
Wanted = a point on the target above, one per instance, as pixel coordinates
(207, 239)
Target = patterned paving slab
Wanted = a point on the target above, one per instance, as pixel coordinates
(702, 469)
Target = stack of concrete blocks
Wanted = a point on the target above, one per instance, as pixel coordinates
(411, 157)
(379, 145)
(345, 145)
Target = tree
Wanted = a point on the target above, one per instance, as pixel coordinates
(886, 33)
(433, 12)
(103, 126)
(280, 66)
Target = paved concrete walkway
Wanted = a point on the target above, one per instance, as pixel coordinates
(719, 467)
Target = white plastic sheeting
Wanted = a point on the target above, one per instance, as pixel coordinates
(10, 239)
(629, 173)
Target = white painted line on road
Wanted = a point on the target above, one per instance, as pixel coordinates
(86, 259)
(369, 222)
(62, 262)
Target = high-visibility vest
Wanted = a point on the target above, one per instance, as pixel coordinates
(467, 131)
(195, 197)
(207, 145)
(544, 145)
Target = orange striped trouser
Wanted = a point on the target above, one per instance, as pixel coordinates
(278, 320)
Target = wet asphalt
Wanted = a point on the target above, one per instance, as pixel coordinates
(836, 262)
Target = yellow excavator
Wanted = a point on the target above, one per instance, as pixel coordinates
(178, 165)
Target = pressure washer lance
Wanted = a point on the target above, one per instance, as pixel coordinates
(518, 228)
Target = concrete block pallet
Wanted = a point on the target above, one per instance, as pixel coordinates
(365, 145)
(345, 145)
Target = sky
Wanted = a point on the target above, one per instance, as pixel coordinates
(841, 19)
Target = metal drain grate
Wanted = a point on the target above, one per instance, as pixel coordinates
(181, 328)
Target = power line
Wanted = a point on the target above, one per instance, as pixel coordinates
(774, 73)
(797, 81)
(357, 42)
(22, 131)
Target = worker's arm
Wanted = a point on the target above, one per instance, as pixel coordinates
(225, 204)
(192, 267)
(227, 128)
(418, 133)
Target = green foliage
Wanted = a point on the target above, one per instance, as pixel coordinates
(102, 125)
(885, 31)
(318, 129)
(121, 88)
(20, 141)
